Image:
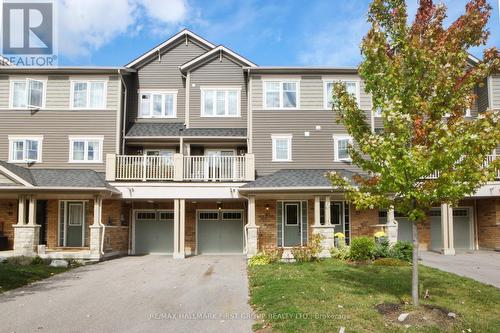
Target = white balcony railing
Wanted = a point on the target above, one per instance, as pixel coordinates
(223, 168)
(489, 159)
(179, 168)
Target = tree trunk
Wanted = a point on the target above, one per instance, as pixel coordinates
(414, 276)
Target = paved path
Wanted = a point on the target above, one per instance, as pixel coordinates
(483, 266)
(135, 294)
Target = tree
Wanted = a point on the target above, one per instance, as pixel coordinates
(421, 79)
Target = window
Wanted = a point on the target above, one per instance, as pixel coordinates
(336, 212)
(145, 215)
(351, 86)
(85, 150)
(25, 149)
(378, 112)
(220, 102)
(341, 148)
(282, 147)
(467, 112)
(27, 94)
(166, 215)
(209, 215)
(75, 213)
(162, 104)
(232, 216)
(281, 94)
(292, 214)
(88, 94)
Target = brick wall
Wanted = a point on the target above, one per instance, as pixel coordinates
(8, 217)
(488, 223)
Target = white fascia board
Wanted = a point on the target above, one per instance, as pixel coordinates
(195, 191)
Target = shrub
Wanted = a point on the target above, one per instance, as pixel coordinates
(274, 253)
(402, 251)
(389, 262)
(303, 254)
(315, 245)
(341, 252)
(362, 248)
(259, 259)
(37, 261)
(382, 249)
(20, 260)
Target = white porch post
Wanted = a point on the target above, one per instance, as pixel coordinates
(179, 228)
(252, 230)
(26, 235)
(326, 231)
(447, 229)
(97, 230)
(317, 213)
(392, 227)
(328, 215)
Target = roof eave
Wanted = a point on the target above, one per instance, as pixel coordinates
(199, 60)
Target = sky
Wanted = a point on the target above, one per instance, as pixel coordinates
(267, 32)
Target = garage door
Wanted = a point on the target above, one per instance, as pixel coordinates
(461, 229)
(154, 232)
(220, 232)
(404, 229)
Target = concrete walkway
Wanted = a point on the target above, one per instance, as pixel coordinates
(483, 266)
(135, 294)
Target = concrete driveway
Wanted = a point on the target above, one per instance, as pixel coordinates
(135, 294)
(483, 266)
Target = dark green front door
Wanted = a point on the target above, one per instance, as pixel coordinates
(291, 224)
(75, 224)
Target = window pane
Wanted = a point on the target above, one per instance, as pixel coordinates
(19, 95)
(78, 150)
(232, 103)
(169, 105)
(329, 94)
(281, 149)
(157, 105)
(96, 95)
(32, 150)
(343, 148)
(35, 93)
(289, 94)
(80, 95)
(220, 110)
(18, 150)
(145, 105)
(93, 151)
(292, 214)
(209, 102)
(272, 94)
(75, 214)
(351, 88)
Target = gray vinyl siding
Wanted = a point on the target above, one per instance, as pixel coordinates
(223, 73)
(164, 74)
(495, 91)
(482, 96)
(4, 180)
(56, 122)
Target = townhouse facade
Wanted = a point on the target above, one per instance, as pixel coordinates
(193, 149)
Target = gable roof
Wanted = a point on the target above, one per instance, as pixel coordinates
(221, 48)
(183, 33)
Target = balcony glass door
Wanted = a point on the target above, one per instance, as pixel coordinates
(219, 164)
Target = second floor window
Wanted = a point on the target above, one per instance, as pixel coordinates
(27, 94)
(341, 148)
(157, 104)
(25, 149)
(88, 94)
(85, 150)
(351, 87)
(220, 102)
(282, 147)
(281, 94)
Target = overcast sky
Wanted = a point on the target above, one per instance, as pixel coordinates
(268, 32)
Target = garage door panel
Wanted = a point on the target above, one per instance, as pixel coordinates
(220, 235)
(154, 236)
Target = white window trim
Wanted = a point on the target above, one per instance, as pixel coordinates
(336, 139)
(281, 81)
(288, 137)
(226, 89)
(157, 92)
(26, 79)
(87, 81)
(325, 90)
(98, 138)
(13, 138)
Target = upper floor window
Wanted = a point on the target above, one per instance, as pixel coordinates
(88, 94)
(25, 149)
(157, 104)
(281, 94)
(352, 88)
(282, 147)
(220, 102)
(85, 149)
(27, 94)
(341, 148)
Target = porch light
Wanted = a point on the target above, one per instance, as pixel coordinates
(219, 205)
(267, 207)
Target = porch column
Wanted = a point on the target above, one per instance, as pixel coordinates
(97, 230)
(392, 227)
(328, 216)
(252, 230)
(26, 235)
(326, 231)
(447, 229)
(179, 228)
(317, 213)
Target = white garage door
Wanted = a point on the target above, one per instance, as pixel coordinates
(220, 232)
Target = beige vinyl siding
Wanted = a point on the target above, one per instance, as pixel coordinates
(165, 74)
(4, 180)
(495, 91)
(225, 73)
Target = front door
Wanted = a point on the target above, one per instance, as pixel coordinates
(73, 223)
(291, 224)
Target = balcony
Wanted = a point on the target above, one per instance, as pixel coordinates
(180, 168)
(489, 159)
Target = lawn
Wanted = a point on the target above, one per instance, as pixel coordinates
(14, 275)
(325, 296)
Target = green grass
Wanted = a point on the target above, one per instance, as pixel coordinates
(291, 297)
(14, 275)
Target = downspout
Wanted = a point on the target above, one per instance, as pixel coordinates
(124, 111)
